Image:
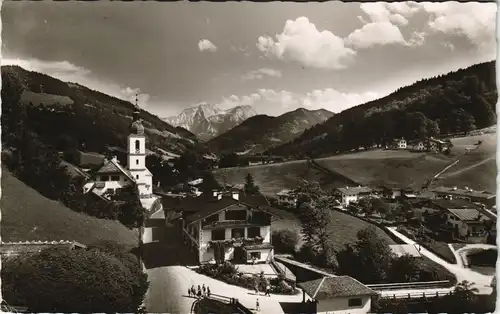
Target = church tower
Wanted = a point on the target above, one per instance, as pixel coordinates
(136, 150)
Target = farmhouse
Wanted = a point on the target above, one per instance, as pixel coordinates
(348, 194)
(483, 197)
(286, 198)
(112, 176)
(468, 223)
(339, 294)
(231, 224)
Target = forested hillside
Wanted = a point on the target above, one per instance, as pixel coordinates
(459, 101)
(57, 110)
(261, 132)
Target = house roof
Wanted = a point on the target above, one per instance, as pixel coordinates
(402, 249)
(113, 166)
(453, 203)
(338, 286)
(73, 170)
(204, 206)
(355, 190)
(463, 192)
(468, 215)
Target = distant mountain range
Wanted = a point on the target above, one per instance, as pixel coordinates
(207, 121)
(261, 132)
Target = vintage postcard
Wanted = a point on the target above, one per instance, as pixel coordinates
(244, 157)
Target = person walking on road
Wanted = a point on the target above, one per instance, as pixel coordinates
(256, 289)
(204, 290)
(199, 291)
(257, 305)
(189, 292)
(193, 291)
(208, 292)
(268, 290)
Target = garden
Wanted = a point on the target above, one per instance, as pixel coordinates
(228, 273)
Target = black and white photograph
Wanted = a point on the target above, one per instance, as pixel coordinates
(243, 157)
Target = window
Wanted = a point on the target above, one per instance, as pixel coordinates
(238, 233)
(104, 178)
(236, 215)
(137, 161)
(212, 218)
(253, 232)
(115, 178)
(219, 234)
(137, 176)
(256, 255)
(355, 302)
(137, 145)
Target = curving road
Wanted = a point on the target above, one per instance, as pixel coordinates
(481, 282)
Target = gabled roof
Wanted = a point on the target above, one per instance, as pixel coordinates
(453, 203)
(113, 166)
(355, 190)
(207, 205)
(333, 287)
(468, 215)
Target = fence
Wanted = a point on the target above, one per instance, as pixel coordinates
(227, 300)
(410, 285)
(417, 295)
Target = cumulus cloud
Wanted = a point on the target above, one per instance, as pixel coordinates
(301, 41)
(476, 21)
(205, 44)
(376, 33)
(68, 72)
(261, 73)
(272, 102)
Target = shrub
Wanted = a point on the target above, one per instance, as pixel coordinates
(58, 280)
(285, 240)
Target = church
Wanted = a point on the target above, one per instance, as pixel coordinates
(112, 176)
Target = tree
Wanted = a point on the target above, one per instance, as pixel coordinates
(250, 187)
(209, 183)
(131, 212)
(284, 240)
(370, 253)
(229, 160)
(77, 281)
(404, 269)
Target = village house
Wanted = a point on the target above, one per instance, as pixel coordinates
(482, 197)
(347, 195)
(388, 192)
(397, 143)
(468, 224)
(112, 176)
(286, 198)
(240, 223)
(339, 294)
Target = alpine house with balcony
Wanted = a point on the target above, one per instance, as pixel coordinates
(227, 226)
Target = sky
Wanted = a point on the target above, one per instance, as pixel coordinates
(274, 56)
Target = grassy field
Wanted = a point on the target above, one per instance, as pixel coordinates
(29, 216)
(475, 169)
(343, 228)
(271, 178)
(387, 167)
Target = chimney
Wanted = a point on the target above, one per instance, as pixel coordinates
(236, 195)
